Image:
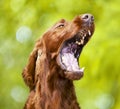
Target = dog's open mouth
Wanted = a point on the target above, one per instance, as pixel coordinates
(70, 53)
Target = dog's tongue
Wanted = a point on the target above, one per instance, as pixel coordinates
(71, 62)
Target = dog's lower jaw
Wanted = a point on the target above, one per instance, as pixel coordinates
(74, 75)
(67, 97)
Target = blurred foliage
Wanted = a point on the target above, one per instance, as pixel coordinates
(23, 21)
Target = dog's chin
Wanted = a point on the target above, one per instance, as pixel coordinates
(68, 57)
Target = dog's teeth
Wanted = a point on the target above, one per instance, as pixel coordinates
(82, 69)
(84, 35)
(82, 41)
(78, 42)
(89, 32)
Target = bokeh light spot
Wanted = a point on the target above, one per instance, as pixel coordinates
(23, 34)
(18, 94)
(104, 101)
(16, 5)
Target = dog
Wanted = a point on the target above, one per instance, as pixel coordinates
(53, 64)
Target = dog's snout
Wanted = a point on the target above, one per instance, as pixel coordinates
(87, 17)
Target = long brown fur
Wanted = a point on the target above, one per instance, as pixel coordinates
(49, 87)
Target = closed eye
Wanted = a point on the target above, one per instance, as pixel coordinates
(60, 25)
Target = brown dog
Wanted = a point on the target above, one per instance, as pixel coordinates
(53, 64)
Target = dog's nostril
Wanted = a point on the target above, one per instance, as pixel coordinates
(87, 17)
(92, 18)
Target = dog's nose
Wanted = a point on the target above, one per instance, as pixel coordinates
(87, 17)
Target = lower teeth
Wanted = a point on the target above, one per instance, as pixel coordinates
(89, 32)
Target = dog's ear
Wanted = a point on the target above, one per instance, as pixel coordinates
(30, 69)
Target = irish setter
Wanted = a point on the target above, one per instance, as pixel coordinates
(53, 64)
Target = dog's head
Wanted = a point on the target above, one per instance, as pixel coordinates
(59, 49)
(65, 41)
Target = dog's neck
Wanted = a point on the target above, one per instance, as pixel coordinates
(56, 89)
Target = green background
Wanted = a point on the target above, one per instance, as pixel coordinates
(22, 22)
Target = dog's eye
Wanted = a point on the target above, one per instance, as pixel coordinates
(60, 26)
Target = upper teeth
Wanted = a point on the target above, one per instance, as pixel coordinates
(89, 32)
(79, 43)
(84, 35)
(82, 40)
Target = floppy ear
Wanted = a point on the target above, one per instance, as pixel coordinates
(29, 71)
